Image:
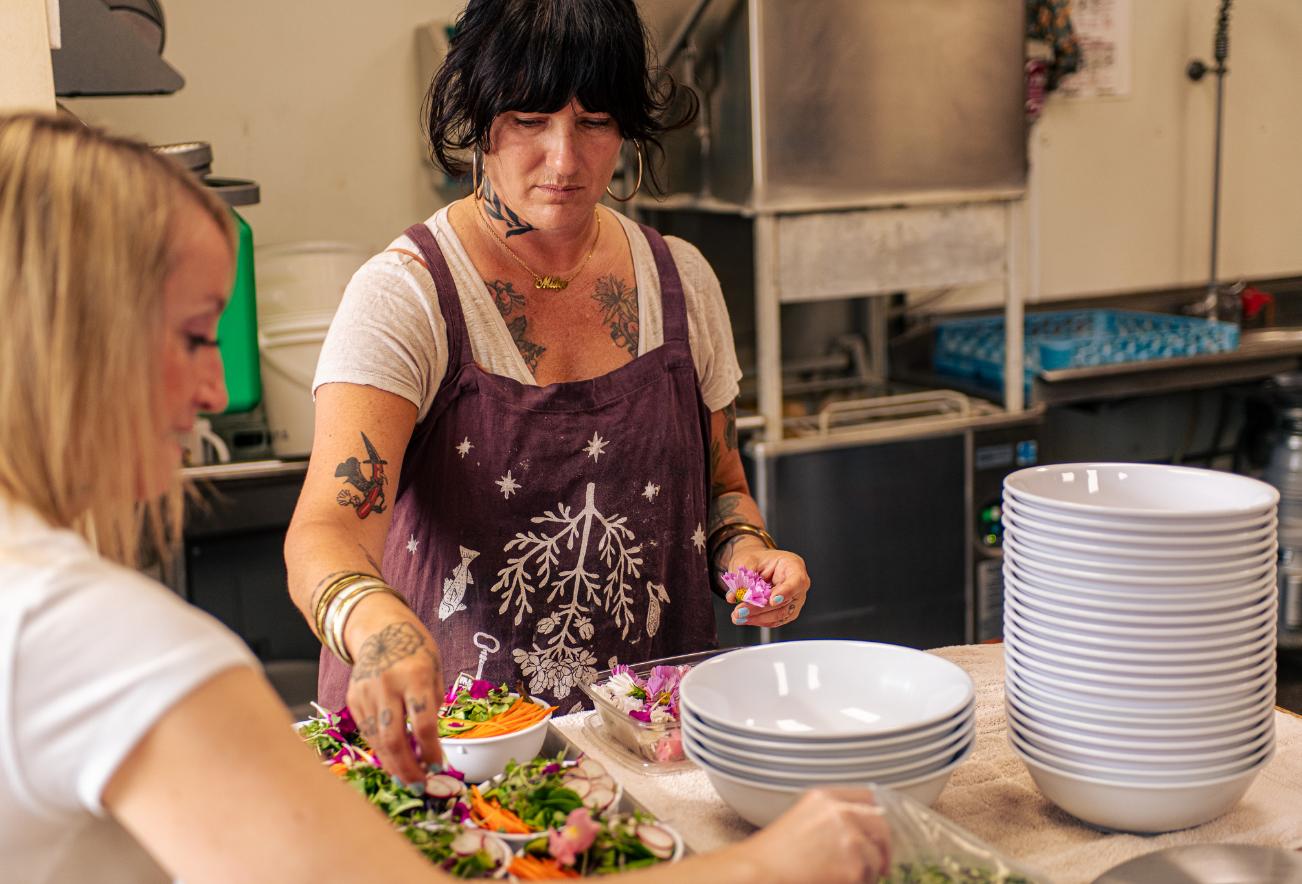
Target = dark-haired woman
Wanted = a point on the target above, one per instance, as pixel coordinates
(525, 406)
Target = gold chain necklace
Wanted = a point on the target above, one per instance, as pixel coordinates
(553, 283)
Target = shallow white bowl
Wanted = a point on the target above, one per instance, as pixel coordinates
(865, 776)
(1177, 735)
(484, 758)
(847, 749)
(1143, 808)
(1156, 645)
(1170, 685)
(1137, 773)
(1048, 532)
(1121, 567)
(1236, 630)
(1159, 618)
(822, 691)
(1104, 719)
(795, 761)
(1139, 694)
(1178, 596)
(1095, 579)
(1197, 713)
(1150, 664)
(1155, 560)
(1153, 755)
(1140, 528)
(1142, 490)
(761, 803)
(1166, 606)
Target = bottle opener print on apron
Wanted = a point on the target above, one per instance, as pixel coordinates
(487, 645)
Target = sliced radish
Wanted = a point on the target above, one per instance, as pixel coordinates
(579, 787)
(443, 786)
(468, 843)
(590, 767)
(656, 839)
(600, 798)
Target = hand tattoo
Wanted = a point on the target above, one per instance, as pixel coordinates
(389, 646)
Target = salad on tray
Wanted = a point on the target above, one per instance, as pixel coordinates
(541, 794)
(484, 710)
(587, 845)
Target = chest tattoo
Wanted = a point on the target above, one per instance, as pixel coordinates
(508, 302)
(618, 302)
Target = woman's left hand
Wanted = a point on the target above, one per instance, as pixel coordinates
(785, 571)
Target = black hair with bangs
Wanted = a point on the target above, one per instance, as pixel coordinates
(538, 55)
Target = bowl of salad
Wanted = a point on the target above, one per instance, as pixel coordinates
(483, 726)
(461, 851)
(638, 705)
(529, 798)
(587, 846)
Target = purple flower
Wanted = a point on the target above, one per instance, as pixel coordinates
(621, 669)
(576, 836)
(451, 696)
(640, 714)
(549, 769)
(745, 585)
(460, 812)
(479, 688)
(347, 726)
(449, 770)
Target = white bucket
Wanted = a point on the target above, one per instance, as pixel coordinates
(304, 278)
(289, 349)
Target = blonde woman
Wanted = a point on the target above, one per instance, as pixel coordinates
(138, 740)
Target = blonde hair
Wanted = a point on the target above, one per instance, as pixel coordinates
(86, 226)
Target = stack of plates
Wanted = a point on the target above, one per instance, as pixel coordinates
(768, 722)
(1139, 630)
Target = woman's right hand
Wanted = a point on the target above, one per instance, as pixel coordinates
(829, 835)
(396, 677)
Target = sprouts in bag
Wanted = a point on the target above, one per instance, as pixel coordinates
(927, 848)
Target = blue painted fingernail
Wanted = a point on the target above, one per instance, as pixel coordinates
(417, 789)
(401, 784)
(741, 613)
(434, 767)
(779, 599)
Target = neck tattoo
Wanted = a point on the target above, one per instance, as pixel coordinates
(550, 282)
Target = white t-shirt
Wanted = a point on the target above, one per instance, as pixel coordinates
(91, 657)
(389, 332)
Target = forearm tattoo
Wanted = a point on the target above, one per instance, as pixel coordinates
(618, 302)
(386, 648)
(369, 496)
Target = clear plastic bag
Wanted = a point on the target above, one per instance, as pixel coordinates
(927, 848)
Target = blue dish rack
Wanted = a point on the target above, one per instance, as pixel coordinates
(973, 349)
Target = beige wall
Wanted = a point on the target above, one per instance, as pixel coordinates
(25, 78)
(319, 101)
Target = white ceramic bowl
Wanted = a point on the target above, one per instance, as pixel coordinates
(1128, 604)
(1144, 808)
(1095, 579)
(1131, 543)
(1122, 567)
(1155, 559)
(1241, 628)
(484, 758)
(1182, 597)
(1089, 660)
(1140, 528)
(849, 749)
(1137, 773)
(864, 777)
(1171, 685)
(1195, 714)
(1156, 645)
(1142, 491)
(795, 761)
(1121, 733)
(1120, 693)
(824, 691)
(760, 803)
(1161, 618)
(1155, 757)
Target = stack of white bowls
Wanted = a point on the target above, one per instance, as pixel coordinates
(768, 722)
(1139, 637)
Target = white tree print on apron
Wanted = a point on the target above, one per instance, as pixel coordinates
(542, 557)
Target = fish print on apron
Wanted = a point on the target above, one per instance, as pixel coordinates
(545, 533)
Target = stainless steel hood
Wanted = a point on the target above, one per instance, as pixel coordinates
(112, 47)
(848, 102)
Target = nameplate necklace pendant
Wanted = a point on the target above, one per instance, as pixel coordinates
(551, 283)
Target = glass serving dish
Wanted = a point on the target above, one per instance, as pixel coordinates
(652, 742)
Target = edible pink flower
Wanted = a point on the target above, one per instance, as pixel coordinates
(347, 726)
(640, 714)
(745, 585)
(622, 669)
(566, 843)
(660, 683)
(479, 689)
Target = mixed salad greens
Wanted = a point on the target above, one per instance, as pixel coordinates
(949, 872)
(585, 845)
(482, 710)
(542, 794)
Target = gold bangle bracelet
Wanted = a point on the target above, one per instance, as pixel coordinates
(344, 610)
(332, 634)
(338, 585)
(724, 533)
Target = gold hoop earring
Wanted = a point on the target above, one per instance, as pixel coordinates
(636, 187)
(476, 162)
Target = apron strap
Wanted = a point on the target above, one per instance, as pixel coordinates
(459, 352)
(673, 304)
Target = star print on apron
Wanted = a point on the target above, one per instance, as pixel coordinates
(562, 527)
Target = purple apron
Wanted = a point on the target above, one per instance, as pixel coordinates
(546, 533)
